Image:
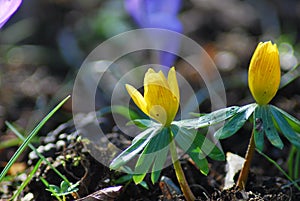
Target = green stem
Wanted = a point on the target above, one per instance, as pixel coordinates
(297, 162)
(189, 196)
(291, 161)
(279, 168)
(242, 180)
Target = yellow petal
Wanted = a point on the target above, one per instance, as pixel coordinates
(153, 77)
(160, 101)
(137, 98)
(162, 104)
(155, 85)
(264, 73)
(173, 84)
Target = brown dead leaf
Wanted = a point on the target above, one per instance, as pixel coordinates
(106, 194)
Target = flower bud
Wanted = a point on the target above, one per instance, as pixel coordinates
(264, 73)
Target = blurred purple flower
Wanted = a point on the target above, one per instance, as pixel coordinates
(158, 14)
(7, 8)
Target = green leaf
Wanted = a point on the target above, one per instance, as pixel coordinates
(138, 178)
(27, 180)
(263, 123)
(184, 139)
(285, 128)
(279, 168)
(129, 177)
(197, 114)
(198, 157)
(190, 137)
(294, 162)
(144, 185)
(211, 149)
(143, 123)
(154, 153)
(155, 176)
(144, 135)
(258, 128)
(53, 188)
(197, 146)
(70, 190)
(143, 165)
(183, 136)
(208, 119)
(134, 149)
(66, 189)
(270, 128)
(292, 121)
(235, 122)
(123, 179)
(32, 134)
(160, 158)
(64, 186)
(12, 128)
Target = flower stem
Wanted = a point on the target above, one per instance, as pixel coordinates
(189, 196)
(242, 180)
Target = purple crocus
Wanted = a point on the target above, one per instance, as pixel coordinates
(7, 8)
(158, 14)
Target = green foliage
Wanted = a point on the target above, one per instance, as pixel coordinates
(294, 163)
(279, 168)
(59, 192)
(285, 127)
(142, 123)
(28, 179)
(12, 128)
(267, 120)
(292, 121)
(127, 178)
(263, 124)
(29, 138)
(155, 152)
(63, 189)
(235, 122)
(138, 143)
(151, 147)
(205, 120)
(197, 146)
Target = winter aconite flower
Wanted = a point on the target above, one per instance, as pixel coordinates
(264, 73)
(158, 142)
(161, 96)
(7, 8)
(268, 120)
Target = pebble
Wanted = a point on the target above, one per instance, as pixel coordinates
(49, 139)
(28, 197)
(60, 144)
(32, 155)
(41, 149)
(49, 146)
(62, 136)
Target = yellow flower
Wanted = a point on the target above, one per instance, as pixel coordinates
(264, 72)
(161, 96)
